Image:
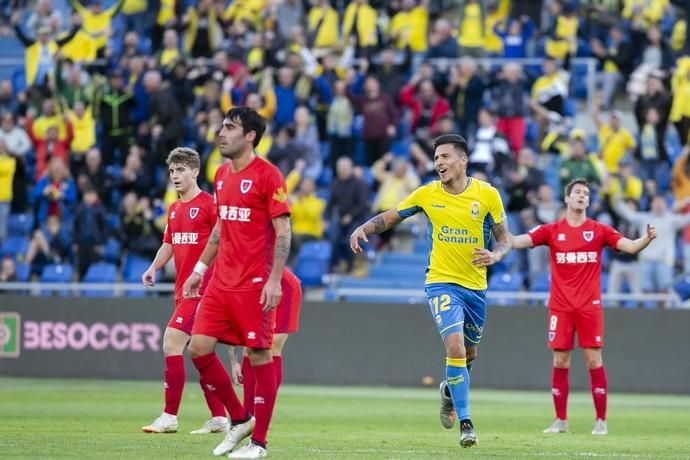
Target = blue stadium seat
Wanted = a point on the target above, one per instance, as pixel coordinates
(532, 131)
(312, 262)
(11, 47)
(508, 263)
(324, 150)
(405, 272)
(326, 177)
(19, 80)
(134, 267)
(23, 271)
(57, 273)
(402, 148)
(100, 272)
(324, 194)
(393, 298)
(421, 245)
(113, 222)
(320, 249)
(541, 283)
(682, 287)
(417, 258)
(20, 224)
(377, 283)
(15, 246)
(311, 271)
(112, 251)
(570, 108)
(604, 281)
(506, 282)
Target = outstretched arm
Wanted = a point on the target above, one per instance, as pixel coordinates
(634, 246)
(523, 241)
(377, 224)
(484, 257)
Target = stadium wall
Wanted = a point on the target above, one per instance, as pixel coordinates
(342, 344)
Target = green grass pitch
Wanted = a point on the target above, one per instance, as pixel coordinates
(102, 419)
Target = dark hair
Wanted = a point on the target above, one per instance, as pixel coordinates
(290, 130)
(250, 120)
(185, 156)
(574, 182)
(458, 142)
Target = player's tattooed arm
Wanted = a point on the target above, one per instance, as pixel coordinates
(502, 236)
(482, 257)
(215, 235)
(282, 245)
(377, 224)
(382, 222)
(211, 249)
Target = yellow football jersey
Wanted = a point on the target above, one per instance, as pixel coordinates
(457, 225)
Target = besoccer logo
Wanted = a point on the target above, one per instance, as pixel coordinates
(10, 325)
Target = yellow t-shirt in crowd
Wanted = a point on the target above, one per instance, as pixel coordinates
(410, 27)
(306, 214)
(470, 33)
(613, 145)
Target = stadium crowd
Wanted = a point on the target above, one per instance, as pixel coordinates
(354, 91)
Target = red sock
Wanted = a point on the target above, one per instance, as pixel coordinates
(214, 377)
(174, 383)
(559, 389)
(264, 400)
(278, 369)
(214, 404)
(248, 384)
(600, 388)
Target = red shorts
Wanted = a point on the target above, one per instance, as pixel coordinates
(287, 311)
(589, 326)
(235, 318)
(183, 316)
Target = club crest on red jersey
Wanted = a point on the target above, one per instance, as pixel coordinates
(588, 235)
(193, 212)
(245, 185)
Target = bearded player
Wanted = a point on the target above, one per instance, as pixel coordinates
(190, 221)
(575, 243)
(252, 241)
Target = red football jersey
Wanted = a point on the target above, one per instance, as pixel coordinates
(246, 202)
(575, 262)
(189, 226)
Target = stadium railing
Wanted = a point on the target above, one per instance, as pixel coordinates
(413, 296)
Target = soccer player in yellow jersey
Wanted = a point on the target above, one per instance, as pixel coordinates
(463, 212)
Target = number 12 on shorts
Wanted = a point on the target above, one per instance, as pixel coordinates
(440, 303)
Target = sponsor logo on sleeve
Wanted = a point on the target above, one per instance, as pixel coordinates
(280, 195)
